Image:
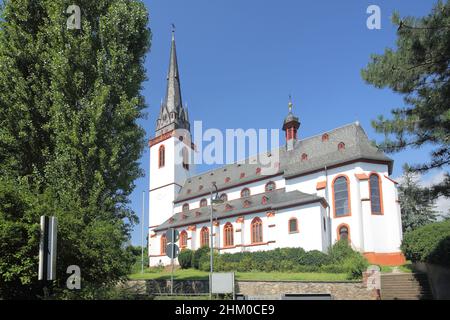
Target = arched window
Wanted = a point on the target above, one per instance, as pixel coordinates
(304, 157)
(325, 137)
(270, 186)
(228, 238)
(375, 194)
(224, 197)
(161, 156)
(341, 197)
(183, 239)
(343, 232)
(227, 179)
(203, 203)
(341, 146)
(245, 192)
(185, 207)
(185, 155)
(163, 244)
(204, 237)
(256, 226)
(293, 225)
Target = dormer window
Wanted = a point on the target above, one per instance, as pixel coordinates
(258, 170)
(325, 137)
(247, 204)
(245, 193)
(242, 175)
(227, 179)
(228, 207)
(304, 157)
(270, 186)
(224, 197)
(198, 214)
(203, 203)
(185, 207)
(341, 146)
(264, 200)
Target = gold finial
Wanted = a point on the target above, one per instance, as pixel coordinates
(290, 103)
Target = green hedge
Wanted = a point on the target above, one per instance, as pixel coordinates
(340, 259)
(430, 243)
(185, 258)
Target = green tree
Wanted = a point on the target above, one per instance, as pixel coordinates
(416, 205)
(418, 70)
(69, 137)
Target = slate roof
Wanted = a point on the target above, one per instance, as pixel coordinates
(276, 199)
(319, 154)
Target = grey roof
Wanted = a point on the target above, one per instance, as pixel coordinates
(319, 154)
(276, 199)
(172, 114)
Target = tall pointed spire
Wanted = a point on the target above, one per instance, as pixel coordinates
(172, 114)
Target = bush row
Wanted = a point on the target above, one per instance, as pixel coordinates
(341, 258)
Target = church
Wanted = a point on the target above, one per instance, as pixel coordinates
(331, 186)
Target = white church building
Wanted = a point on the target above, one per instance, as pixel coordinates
(335, 185)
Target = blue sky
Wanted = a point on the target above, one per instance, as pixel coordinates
(239, 61)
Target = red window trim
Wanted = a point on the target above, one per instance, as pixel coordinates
(380, 188)
(228, 228)
(242, 192)
(338, 234)
(256, 222)
(183, 239)
(202, 232)
(163, 244)
(267, 185)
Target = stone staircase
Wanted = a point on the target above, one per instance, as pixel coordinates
(405, 286)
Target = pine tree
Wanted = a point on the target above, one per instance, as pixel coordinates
(418, 70)
(69, 137)
(417, 207)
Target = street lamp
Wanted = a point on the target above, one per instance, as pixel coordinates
(215, 200)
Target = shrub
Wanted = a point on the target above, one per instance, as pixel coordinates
(185, 258)
(340, 251)
(355, 265)
(314, 258)
(430, 243)
(198, 255)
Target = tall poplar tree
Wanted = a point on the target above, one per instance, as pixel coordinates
(69, 138)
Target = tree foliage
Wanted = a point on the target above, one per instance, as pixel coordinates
(418, 70)
(416, 204)
(69, 137)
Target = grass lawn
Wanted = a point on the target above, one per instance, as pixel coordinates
(193, 274)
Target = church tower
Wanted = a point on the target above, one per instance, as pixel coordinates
(170, 149)
(290, 126)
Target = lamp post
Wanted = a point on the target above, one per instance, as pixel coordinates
(215, 200)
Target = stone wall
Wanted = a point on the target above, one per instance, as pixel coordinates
(337, 290)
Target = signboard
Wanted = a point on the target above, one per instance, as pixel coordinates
(172, 250)
(172, 235)
(47, 249)
(222, 282)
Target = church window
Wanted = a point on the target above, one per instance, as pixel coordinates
(245, 192)
(256, 226)
(183, 239)
(203, 203)
(375, 194)
(228, 239)
(304, 157)
(341, 146)
(204, 237)
(161, 156)
(325, 137)
(185, 207)
(224, 197)
(293, 225)
(343, 232)
(270, 186)
(163, 244)
(341, 196)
